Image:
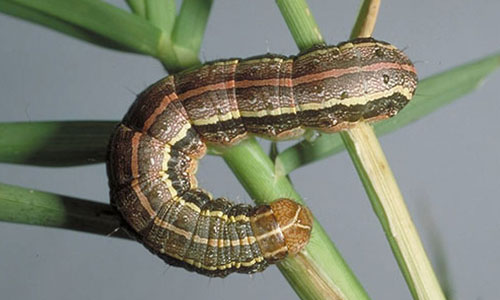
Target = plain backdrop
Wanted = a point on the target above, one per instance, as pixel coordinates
(446, 164)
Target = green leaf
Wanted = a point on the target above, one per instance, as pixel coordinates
(432, 93)
(121, 27)
(318, 272)
(104, 19)
(35, 16)
(55, 144)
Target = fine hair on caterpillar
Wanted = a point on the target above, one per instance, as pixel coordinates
(154, 151)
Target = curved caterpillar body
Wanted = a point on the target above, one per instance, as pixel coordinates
(153, 153)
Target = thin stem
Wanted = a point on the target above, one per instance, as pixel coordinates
(359, 135)
(389, 206)
(27, 206)
(55, 144)
(367, 17)
(301, 23)
(138, 7)
(161, 13)
(189, 29)
(306, 34)
(383, 191)
(319, 272)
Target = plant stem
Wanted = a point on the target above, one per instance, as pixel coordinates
(389, 206)
(301, 23)
(21, 205)
(161, 13)
(384, 194)
(383, 191)
(318, 272)
(138, 7)
(189, 28)
(367, 17)
(55, 144)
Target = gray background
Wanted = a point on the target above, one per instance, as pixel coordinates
(446, 164)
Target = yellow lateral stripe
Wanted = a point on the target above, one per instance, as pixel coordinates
(244, 113)
(181, 134)
(173, 228)
(266, 112)
(168, 183)
(166, 158)
(214, 119)
(236, 265)
(190, 205)
(216, 243)
(225, 217)
(219, 243)
(361, 100)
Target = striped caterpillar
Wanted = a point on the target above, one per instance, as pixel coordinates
(153, 153)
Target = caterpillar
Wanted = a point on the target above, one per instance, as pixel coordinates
(153, 153)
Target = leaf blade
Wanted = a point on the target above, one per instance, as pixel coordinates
(106, 20)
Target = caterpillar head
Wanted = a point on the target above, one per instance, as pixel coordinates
(295, 222)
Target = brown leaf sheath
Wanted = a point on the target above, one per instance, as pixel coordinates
(153, 153)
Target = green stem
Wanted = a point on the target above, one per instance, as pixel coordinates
(55, 143)
(383, 191)
(306, 34)
(301, 23)
(318, 272)
(189, 29)
(26, 206)
(389, 206)
(138, 7)
(161, 13)
(385, 197)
